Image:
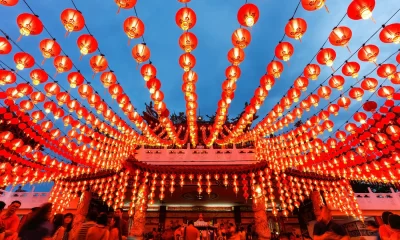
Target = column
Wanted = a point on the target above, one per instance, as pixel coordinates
(81, 212)
(139, 219)
(317, 202)
(261, 219)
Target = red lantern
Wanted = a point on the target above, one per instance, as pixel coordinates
(386, 92)
(390, 33)
(370, 106)
(63, 97)
(324, 92)
(301, 83)
(23, 60)
(294, 94)
(87, 44)
(191, 76)
(75, 79)
(188, 41)
(241, 38)
(115, 90)
(49, 48)
(326, 57)
(52, 89)
(26, 105)
(187, 61)
(5, 46)
(148, 72)
(62, 64)
(267, 81)
(9, 3)
(37, 116)
(336, 81)
(236, 56)
(360, 9)
(140, 53)
(29, 24)
(386, 70)
(340, 36)
(24, 89)
(85, 91)
(153, 85)
(125, 4)
(108, 78)
(7, 77)
(275, 68)
(356, 93)
(351, 69)
(368, 53)
(133, 28)
(49, 106)
(344, 102)
(312, 5)
(98, 63)
(360, 117)
(38, 76)
(369, 84)
(248, 15)
(284, 50)
(72, 20)
(295, 28)
(185, 18)
(312, 71)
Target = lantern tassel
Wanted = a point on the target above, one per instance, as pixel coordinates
(119, 9)
(55, 75)
(288, 63)
(44, 59)
(326, 8)
(333, 70)
(80, 58)
(348, 48)
(129, 41)
(93, 75)
(373, 20)
(19, 38)
(375, 63)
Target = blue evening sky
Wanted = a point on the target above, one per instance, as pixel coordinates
(216, 20)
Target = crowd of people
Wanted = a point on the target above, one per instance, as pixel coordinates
(41, 224)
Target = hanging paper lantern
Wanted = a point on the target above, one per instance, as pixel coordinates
(188, 41)
(275, 68)
(38, 76)
(360, 117)
(153, 85)
(62, 64)
(52, 89)
(390, 33)
(9, 3)
(360, 9)
(301, 83)
(326, 56)
(108, 78)
(248, 15)
(62, 98)
(75, 79)
(87, 44)
(85, 91)
(356, 93)
(133, 28)
(191, 76)
(72, 20)
(386, 92)
(98, 63)
(351, 69)
(7, 77)
(312, 5)
(125, 4)
(295, 28)
(337, 81)
(185, 18)
(369, 84)
(148, 71)
(23, 60)
(115, 90)
(267, 81)
(324, 92)
(312, 71)
(344, 102)
(340, 36)
(236, 56)
(141, 53)
(386, 70)
(294, 94)
(368, 53)
(241, 38)
(284, 50)
(5, 46)
(187, 61)
(370, 106)
(29, 24)
(49, 106)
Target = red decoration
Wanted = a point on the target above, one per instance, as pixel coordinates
(295, 28)
(312, 5)
(351, 69)
(72, 20)
(187, 61)
(38, 76)
(241, 38)
(326, 57)
(29, 24)
(360, 9)
(340, 36)
(386, 70)
(125, 4)
(7, 77)
(141, 53)
(75, 79)
(49, 48)
(98, 63)
(133, 27)
(312, 71)
(248, 15)
(390, 33)
(87, 44)
(275, 68)
(9, 3)
(236, 56)
(23, 60)
(284, 50)
(188, 41)
(368, 53)
(185, 18)
(62, 64)
(5, 46)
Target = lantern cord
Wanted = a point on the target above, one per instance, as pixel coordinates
(144, 41)
(296, 9)
(348, 57)
(37, 15)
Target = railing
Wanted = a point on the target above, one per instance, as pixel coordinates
(197, 156)
(379, 201)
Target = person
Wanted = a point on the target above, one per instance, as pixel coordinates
(154, 233)
(58, 220)
(38, 226)
(10, 221)
(124, 224)
(249, 233)
(373, 227)
(90, 222)
(63, 232)
(242, 233)
(178, 234)
(191, 233)
(115, 228)
(232, 233)
(283, 236)
(168, 233)
(394, 222)
(19, 189)
(325, 228)
(27, 216)
(99, 231)
(384, 230)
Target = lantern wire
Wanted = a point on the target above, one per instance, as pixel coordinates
(136, 14)
(345, 60)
